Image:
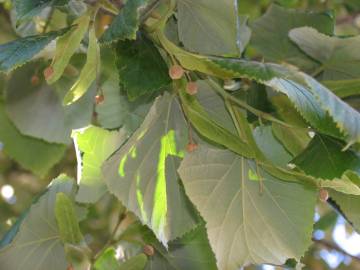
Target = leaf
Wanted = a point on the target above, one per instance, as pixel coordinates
(210, 129)
(88, 73)
(135, 263)
(142, 173)
(97, 145)
(215, 27)
(141, 68)
(243, 225)
(20, 51)
(67, 45)
(338, 56)
(117, 110)
(190, 252)
(31, 153)
(37, 111)
(270, 34)
(324, 158)
(26, 9)
(350, 206)
(344, 88)
(126, 23)
(107, 260)
(348, 183)
(37, 244)
(67, 222)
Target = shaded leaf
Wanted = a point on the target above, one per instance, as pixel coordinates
(37, 110)
(20, 51)
(270, 34)
(31, 153)
(142, 173)
(135, 263)
(107, 260)
(243, 225)
(37, 244)
(344, 88)
(97, 145)
(126, 23)
(141, 68)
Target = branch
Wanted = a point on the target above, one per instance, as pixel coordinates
(333, 246)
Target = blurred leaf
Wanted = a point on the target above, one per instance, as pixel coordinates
(97, 145)
(244, 225)
(89, 72)
(326, 221)
(344, 88)
(37, 244)
(142, 173)
(31, 153)
(107, 261)
(141, 68)
(20, 51)
(126, 23)
(270, 34)
(135, 263)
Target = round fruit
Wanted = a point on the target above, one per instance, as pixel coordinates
(176, 72)
(148, 250)
(191, 147)
(48, 72)
(323, 195)
(35, 80)
(192, 88)
(99, 99)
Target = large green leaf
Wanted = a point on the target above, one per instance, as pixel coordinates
(67, 45)
(31, 153)
(117, 110)
(270, 34)
(215, 27)
(126, 23)
(88, 73)
(350, 206)
(37, 244)
(26, 9)
(243, 224)
(135, 263)
(344, 88)
(324, 157)
(97, 145)
(142, 173)
(339, 57)
(37, 110)
(20, 51)
(141, 68)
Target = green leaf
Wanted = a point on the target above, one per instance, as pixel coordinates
(270, 34)
(344, 88)
(67, 45)
(141, 68)
(142, 173)
(211, 129)
(26, 9)
(31, 153)
(107, 260)
(20, 51)
(126, 24)
(324, 158)
(350, 206)
(37, 111)
(348, 183)
(67, 222)
(215, 27)
(97, 145)
(190, 252)
(37, 244)
(117, 110)
(244, 225)
(135, 263)
(338, 56)
(89, 72)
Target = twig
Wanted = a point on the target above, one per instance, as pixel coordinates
(333, 246)
(48, 19)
